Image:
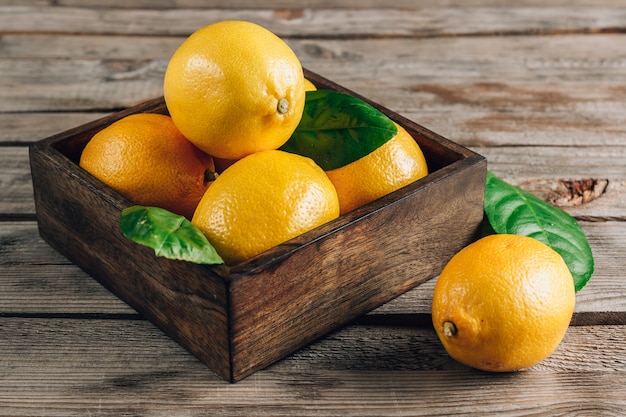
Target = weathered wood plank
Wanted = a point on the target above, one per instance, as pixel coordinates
(549, 95)
(532, 167)
(25, 128)
(545, 161)
(604, 292)
(332, 4)
(111, 367)
(319, 22)
(129, 47)
(572, 97)
(56, 290)
(34, 278)
(16, 191)
(78, 84)
(25, 3)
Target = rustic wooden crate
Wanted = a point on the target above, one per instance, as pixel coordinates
(240, 319)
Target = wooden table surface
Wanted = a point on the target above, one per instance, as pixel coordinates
(538, 88)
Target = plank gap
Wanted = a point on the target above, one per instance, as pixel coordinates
(66, 109)
(74, 316)
(354, 36)
(18, 217)
(423, 320)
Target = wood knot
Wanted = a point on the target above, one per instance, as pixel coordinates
(288, 14)
(572, 193)
(566, 192)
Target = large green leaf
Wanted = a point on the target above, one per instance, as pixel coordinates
(510, 209)
(170, 235)
(337, 129)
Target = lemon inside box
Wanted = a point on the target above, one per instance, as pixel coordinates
(240, 319)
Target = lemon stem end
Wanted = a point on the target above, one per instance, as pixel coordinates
(283, 106)
(210, 176)
(449, 329)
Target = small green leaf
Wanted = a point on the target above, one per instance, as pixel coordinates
(337, 129)
(510, 209)
(170, 235)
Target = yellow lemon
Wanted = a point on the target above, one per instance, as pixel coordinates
(234, 88)
(396, 163)
(503, 303)
(308, 85)
(262, 200)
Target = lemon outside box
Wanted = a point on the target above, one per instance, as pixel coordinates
(240, 319)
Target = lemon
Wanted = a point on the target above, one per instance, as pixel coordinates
(503, 303)
(262, 200)
(145, 158)
(234, 88)
(309, 86)
(395, 164)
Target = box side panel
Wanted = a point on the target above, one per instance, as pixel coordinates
(329, 282)
(80, 219)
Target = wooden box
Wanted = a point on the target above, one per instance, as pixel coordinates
(240, 319)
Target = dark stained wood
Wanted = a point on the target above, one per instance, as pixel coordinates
(241, 319)
(80, 218)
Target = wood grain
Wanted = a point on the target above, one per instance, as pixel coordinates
(326, 4)
(115, 367)
(536, 86)
(315, 22)
(514, 164)
(34, 277)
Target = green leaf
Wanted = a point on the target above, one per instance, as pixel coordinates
(170, 235)
(510, 209)
(337, 129)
